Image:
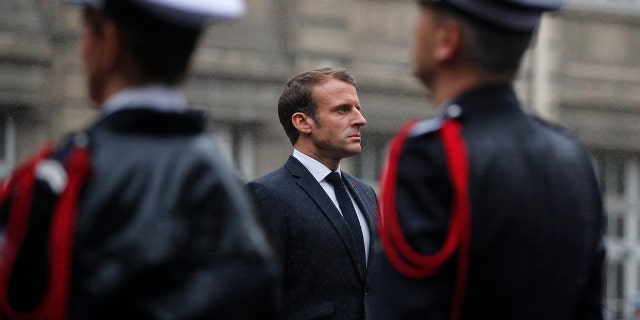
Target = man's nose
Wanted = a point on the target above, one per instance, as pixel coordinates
(360, 120)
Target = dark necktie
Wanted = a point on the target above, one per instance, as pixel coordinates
(348, 213)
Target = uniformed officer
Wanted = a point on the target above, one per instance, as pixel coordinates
(486, 212)
(138, 216)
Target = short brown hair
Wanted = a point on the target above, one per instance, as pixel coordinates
(297, 96)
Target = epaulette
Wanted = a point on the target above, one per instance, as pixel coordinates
(434, 124)
(426, 126)
(52, 170)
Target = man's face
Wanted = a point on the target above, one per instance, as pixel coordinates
(336, 133)
(424, 44)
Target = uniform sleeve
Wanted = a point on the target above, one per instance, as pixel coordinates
(423, 195)
(591, 301)
(238, 279)
(423, 201)
(193, 251)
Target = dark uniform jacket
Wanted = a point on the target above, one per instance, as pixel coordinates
(163, 230)
(536, 250)
(321, 276)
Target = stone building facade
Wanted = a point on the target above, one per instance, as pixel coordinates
(583, 71)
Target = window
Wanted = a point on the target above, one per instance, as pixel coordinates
(8, 144)
(619, 175)
(238, 145)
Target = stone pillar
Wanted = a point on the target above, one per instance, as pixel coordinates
(544, 95)
(632, 199)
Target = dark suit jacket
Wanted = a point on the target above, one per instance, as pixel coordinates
(322, 279)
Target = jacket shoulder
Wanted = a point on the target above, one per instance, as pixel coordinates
(275, 182)
(273, 177)
(560, 129)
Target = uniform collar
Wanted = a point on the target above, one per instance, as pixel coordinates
(155, 97)
(474, 100)
(484, 96)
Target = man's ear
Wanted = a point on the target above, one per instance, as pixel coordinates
(448, 41)
(302, 122)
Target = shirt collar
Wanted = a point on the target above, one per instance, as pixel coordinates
(317, 169)
(156, 97)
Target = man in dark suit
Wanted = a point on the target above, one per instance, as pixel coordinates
(486, 212)
(326, 245)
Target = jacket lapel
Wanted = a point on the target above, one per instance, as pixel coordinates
(309, 184)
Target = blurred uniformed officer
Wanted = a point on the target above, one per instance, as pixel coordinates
(486, 212)
(137, 216)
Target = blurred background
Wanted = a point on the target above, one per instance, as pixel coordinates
(582, 72)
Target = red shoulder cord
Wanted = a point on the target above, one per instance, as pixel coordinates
(405, 259)
(20, 187)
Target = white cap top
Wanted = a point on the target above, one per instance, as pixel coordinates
(185, 12)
